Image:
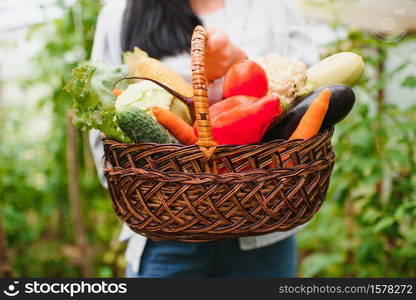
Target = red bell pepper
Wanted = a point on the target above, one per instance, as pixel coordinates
(241, 120)
(246, 78)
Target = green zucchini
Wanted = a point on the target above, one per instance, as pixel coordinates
(341, 68)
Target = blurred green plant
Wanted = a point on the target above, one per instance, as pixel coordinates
(33, 183)
(367, 225)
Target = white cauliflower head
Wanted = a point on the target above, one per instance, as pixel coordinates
(286, 76)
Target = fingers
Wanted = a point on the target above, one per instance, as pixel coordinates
(217, 40)
(221, 53)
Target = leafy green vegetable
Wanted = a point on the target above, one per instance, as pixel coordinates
(93, 100)
(143, 95)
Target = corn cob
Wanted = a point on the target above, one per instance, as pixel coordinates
(142, 65)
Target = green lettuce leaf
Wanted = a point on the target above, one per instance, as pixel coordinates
(93, 100)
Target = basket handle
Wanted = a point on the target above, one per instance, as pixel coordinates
(200, 84)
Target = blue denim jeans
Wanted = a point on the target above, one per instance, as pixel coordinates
(222, 258)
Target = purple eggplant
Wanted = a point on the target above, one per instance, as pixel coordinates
(341, 102)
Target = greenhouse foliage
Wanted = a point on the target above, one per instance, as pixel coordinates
(366, 227)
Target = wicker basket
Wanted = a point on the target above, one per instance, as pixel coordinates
(207, 192)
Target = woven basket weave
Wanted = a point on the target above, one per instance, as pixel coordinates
(207, 192)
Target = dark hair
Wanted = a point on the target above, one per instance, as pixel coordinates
(159, 27)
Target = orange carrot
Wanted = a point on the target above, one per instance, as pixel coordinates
(312, 120)
(175, 125)
(117, 92)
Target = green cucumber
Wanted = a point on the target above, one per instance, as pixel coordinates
(141, 127)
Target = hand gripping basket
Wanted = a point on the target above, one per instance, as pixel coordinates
(207, 192)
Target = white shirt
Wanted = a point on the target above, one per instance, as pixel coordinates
(258, 27)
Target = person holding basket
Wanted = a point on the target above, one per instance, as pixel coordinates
(237, 30)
